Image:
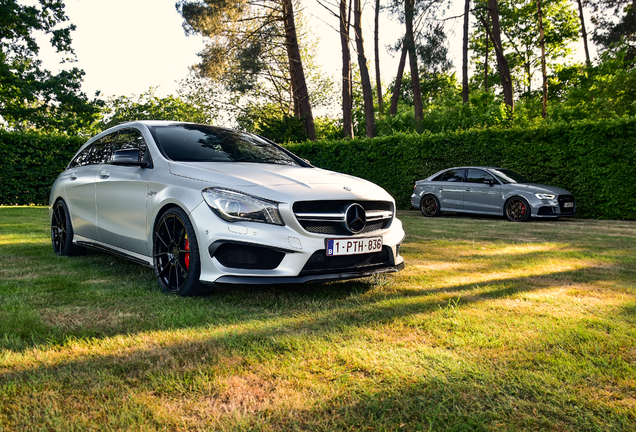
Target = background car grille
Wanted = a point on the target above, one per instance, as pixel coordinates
(319, 261)
(327, 217)
(242, 256)
(562, 200)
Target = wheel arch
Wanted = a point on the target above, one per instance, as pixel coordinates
(155, 218)
(427, 194)
(517, 196)
(53, 202)
(512, 196)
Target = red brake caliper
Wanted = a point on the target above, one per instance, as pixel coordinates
(186, 258)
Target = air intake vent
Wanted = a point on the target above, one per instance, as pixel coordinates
(236, 255)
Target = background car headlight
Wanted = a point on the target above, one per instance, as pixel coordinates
(234, 206)
(545, 196)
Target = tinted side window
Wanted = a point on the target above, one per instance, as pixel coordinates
(478, 176)
(131, 139)
(82, 158)
(102, 149)
(454, 175)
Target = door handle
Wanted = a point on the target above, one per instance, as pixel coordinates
(73, 176)
(468, 189)
(104, 174)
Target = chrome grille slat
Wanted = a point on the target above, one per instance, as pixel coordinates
(318, 217)
(373, 215)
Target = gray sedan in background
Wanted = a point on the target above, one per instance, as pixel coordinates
(491, 191)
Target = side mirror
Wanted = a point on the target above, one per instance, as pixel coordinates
(489, 182)
(128, 157)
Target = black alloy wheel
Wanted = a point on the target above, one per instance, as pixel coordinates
(176, 254)
(62, 231)
(517, 209)
(429, 205)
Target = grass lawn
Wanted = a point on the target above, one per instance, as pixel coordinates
(492, 326)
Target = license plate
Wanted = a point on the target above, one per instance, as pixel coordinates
(570, 204)
(353, 246)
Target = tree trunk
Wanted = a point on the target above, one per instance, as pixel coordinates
(398, 82)
(367, 94)
(376, 43)
(543, 71)
(486, 64)
(299, 84)
(409, 42)
(502, 62)
(347, 100)
(465, 54)
(584, 32)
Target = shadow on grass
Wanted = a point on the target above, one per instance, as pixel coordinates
(100, 296)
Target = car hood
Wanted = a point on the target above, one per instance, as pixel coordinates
(538, 188)
(280, 182)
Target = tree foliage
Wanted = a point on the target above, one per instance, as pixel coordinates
(253, 45)
(615, 22)
(148, 106)
(31, 96)
(520, 41)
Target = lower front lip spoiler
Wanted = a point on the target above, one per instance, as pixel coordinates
(326, 277)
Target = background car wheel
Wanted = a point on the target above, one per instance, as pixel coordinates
(517, 209)
(62, 231)
(176, 254)
(429, 205)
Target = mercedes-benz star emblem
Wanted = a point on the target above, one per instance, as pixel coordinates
(355, 218)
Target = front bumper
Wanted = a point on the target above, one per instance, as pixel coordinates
(555, 208)
(258, 253)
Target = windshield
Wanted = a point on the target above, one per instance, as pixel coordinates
(507, 176)
(202, 143)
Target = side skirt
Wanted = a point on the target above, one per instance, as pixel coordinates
(121, 253)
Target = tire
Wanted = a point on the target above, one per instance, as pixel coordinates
(429, 206)
(62, 231)
(176, 254)
(517, 209)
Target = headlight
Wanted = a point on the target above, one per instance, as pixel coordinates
(544, 196)
(234, 206)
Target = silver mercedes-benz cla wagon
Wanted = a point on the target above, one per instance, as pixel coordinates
(204, 204)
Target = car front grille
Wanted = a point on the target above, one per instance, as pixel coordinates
(320, 262)
(242, 256)
(328, 217)
(566, 199)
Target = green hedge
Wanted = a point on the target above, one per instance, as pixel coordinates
(593, 160)
(30, 162)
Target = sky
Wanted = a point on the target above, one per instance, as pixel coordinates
(127, 46)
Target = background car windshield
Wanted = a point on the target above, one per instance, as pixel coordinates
(201, 143)
(507, 176)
